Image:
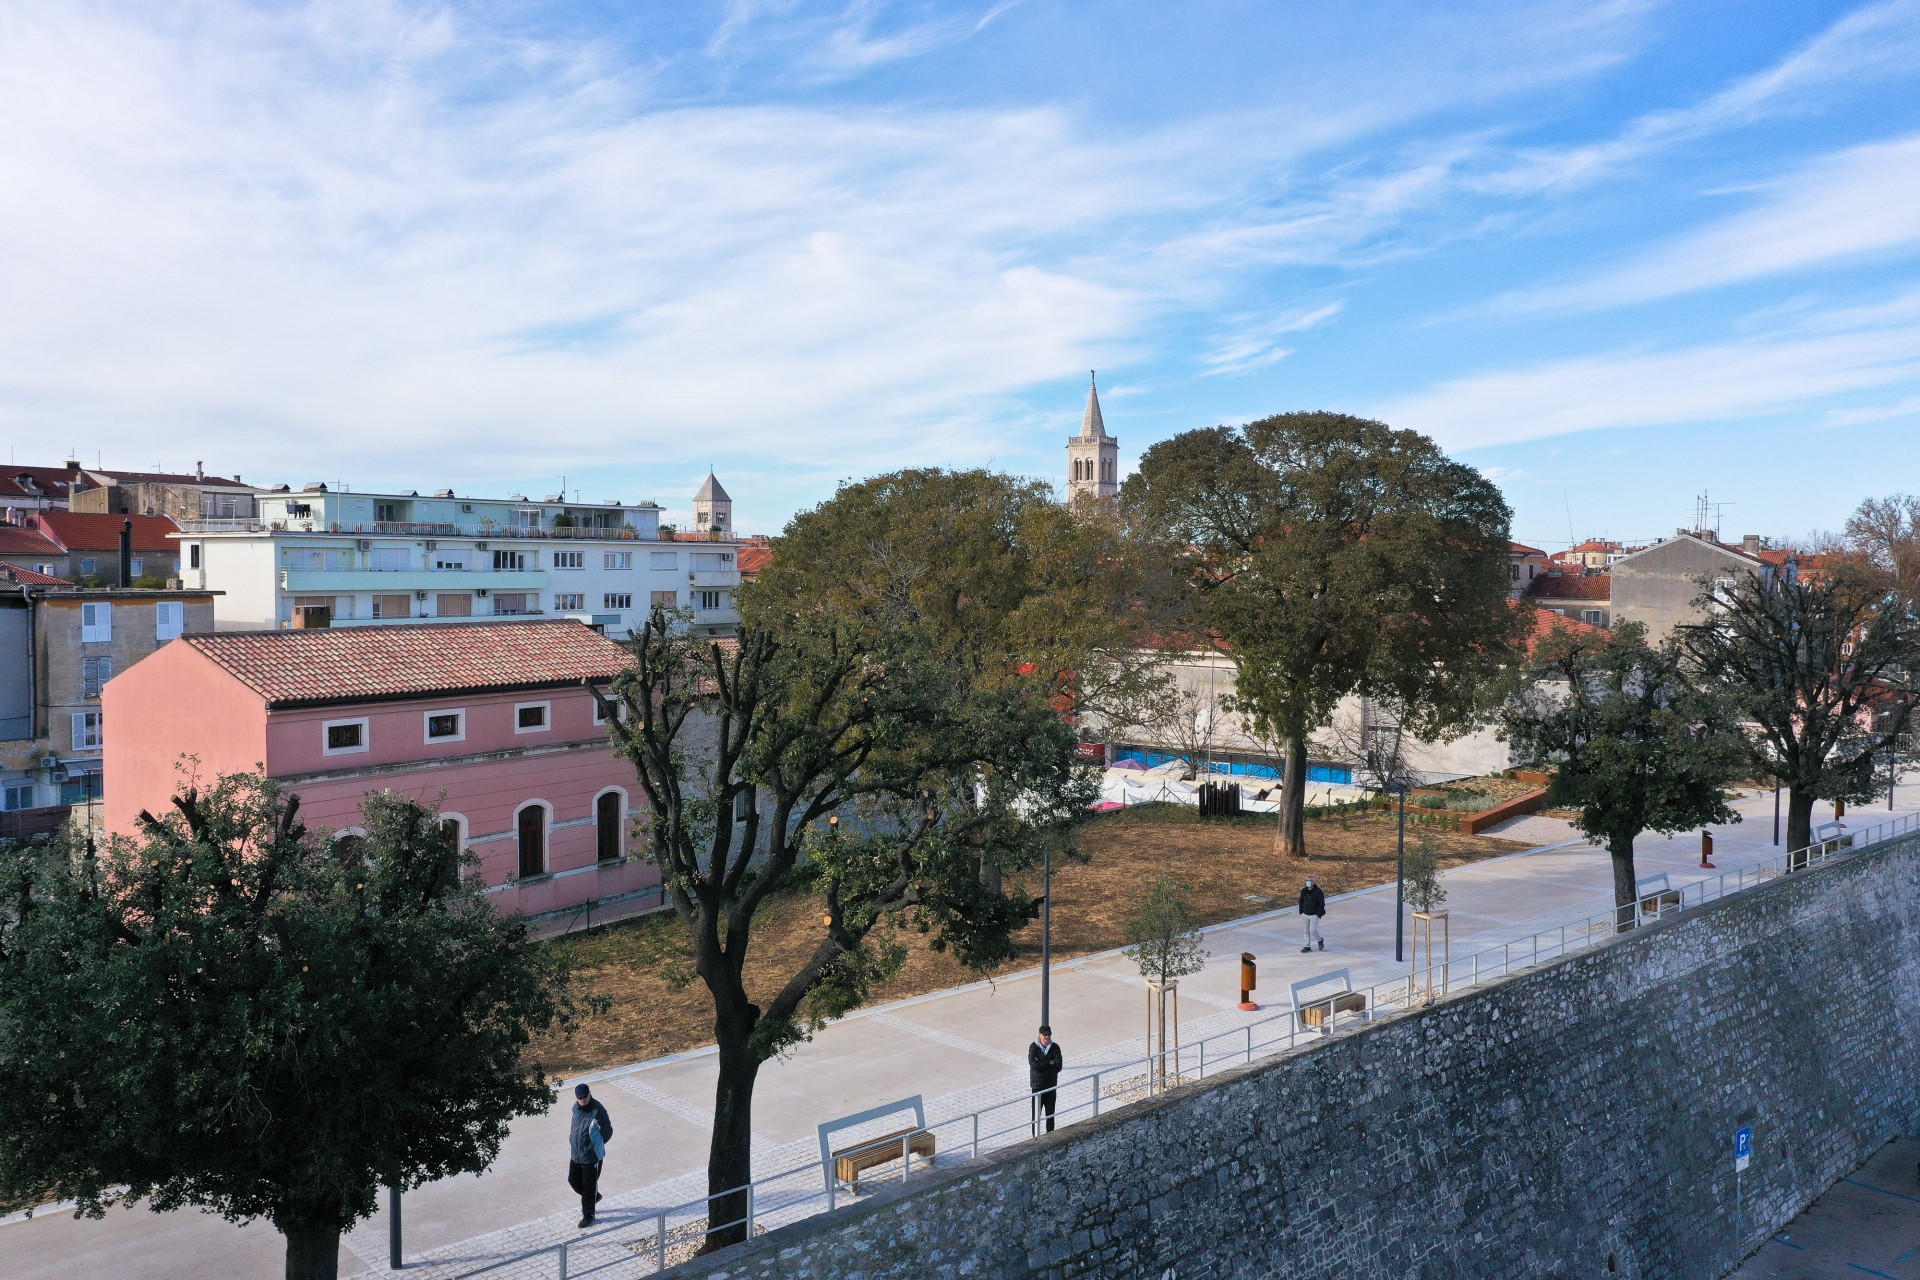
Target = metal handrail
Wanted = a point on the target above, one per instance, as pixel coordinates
(1264, 1037)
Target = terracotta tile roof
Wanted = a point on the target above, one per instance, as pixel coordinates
(1522, 549)
(47, 482)
(85, 531)
(18, 540)
(377, 664)
(1570, 586)
(752, 559)
(1546, 624)
(31, 577)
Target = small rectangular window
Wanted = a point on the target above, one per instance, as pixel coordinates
(398, 605)
(169, 619)
(89, 565)
(137, 567)
(509, 561)
(94, 673)
(666, 600)
(664, 559)
(617, 559)
(617, 600)
(711, 599)
(87, 734)
(18, 796)
(446, 726)
(569, 602)
(450, 560)
(345, 736)
(530, 717)
(96, 622)
(569, 559)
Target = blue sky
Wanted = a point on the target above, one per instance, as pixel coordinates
(1614, 254)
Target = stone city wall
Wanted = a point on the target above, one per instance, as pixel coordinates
(1573, 1121)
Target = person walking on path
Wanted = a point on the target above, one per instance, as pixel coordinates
(1313, 906)
(1043, 1075)
(587, 1149)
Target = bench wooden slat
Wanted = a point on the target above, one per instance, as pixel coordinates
(850, 1162)
(1317, 1013)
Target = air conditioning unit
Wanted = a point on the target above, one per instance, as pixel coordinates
(479, 546)
(467, 507)
(365, 544)
(482, 593)
(49, 763)
(419, 595)
(431, 544)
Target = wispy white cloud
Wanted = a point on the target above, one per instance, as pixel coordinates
(1849, 204)
(1252, 343)
(1715, 382)
(1905, 407)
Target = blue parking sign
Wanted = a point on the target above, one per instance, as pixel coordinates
(1742, 1148)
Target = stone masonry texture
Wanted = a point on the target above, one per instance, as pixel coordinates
(1575, 1120)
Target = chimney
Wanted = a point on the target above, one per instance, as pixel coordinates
(126, 552)
(1752, 543)
(199, 471)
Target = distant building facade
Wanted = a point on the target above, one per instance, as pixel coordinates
(86, 548)
(1093, 456)
(1659, 587)
(493, 723)
(326, 558)
(1584, 597)
(1524, 564)
(60, 646)
(153, 493)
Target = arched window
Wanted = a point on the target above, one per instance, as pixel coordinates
(532, 826)
(609, 814)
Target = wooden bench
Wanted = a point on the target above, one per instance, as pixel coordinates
(850, 1162)
(1319, 1012)
(1654, 904)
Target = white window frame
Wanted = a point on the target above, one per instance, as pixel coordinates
(626, 824)
(570, 560)
(616, 559)
(569, 601)
(14, 789)
(89, 731)
(326, 732)
(546, 717)
(618, 711)
(460, 822)
(426, 726)
(99, 631)
(137, 566)
(177, 610)
(607, 600)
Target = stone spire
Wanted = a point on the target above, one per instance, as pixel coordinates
(1093, 456)
(1092, 425)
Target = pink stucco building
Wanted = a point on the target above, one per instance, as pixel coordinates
(492, 722)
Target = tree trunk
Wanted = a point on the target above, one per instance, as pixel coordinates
(313, 1251)
(1291, 839)
(1799, 826)
(1625, 893)
(730, 1154)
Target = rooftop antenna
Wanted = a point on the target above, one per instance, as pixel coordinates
(1568, 503)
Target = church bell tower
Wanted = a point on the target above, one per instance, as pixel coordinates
(1093, 456)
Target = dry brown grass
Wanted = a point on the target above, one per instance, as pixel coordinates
(658, 1007)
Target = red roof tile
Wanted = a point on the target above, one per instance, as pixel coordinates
(374, 664)
(47, 482)
(18, 540)
(1522, 549)
(1570, 586)
(85, 531)
(31, 577)
(164, 477)
(752, 559)
(1547, 624)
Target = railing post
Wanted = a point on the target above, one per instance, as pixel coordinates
(1249, 1043)
(976, 1134)
(749, 1211)
(563, 1260)
(1096, 1093)
(906, 1153)
(1203, 1059)
(660, 1241)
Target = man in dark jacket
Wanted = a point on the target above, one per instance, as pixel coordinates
(1043, 1075)
(586, 1145)
(1313, 906)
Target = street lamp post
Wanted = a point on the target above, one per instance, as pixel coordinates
(1046, 938)
(1400, 883)
(1776, 813)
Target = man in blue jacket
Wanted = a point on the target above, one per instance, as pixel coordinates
(586, 1148)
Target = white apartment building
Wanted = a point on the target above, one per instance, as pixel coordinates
(334, 558)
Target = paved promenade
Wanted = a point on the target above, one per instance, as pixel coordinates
(960, 1050)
